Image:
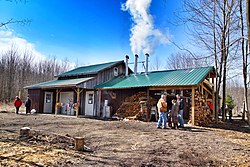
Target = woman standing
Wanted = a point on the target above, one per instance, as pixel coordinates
(17, 104)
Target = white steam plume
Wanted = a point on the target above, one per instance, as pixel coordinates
(144, 37)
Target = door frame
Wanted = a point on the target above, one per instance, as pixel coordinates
(45, 100)
(87, 102)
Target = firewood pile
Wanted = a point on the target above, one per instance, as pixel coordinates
(202, 113)
(131, 107)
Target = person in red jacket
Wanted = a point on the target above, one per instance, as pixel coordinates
(17, 104)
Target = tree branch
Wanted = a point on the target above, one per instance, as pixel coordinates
(12, 21)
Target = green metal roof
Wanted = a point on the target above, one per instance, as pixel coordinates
(92, 69)
(59, 83)
(183, 77)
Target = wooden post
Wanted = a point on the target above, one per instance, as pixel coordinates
(202, 89)
(78, 92)
(78, 101)
(213, 99)
(79, 143)
(56, 109)
(98, 108)
(148, 104)
(193, 105)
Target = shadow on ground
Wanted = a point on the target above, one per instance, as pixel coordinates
(235, 125)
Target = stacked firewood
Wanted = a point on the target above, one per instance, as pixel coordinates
(202, 113)
(131, 107)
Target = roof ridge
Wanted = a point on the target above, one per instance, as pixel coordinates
(179, 69)
(99, 64)
(89, 68)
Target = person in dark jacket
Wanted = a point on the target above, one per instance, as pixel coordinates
(28, 105)
(174, 113)
(17, 104)
(180, 112)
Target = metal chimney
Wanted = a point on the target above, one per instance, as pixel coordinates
(146, 68)
(136, 62)
(126, 65)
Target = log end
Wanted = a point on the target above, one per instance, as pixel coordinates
(79, 143)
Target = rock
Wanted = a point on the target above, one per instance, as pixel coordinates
(25, 132)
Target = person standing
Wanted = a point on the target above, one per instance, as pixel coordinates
(174, 113)
(180, 112)
(162, 109)
(28, 105)
(210, 105)
(17, 104)
(230, 114)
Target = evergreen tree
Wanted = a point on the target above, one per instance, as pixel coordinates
(230, 102)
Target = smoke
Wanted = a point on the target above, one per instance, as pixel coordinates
(144, 36)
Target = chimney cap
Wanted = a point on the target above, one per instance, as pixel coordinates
(146, 54)
(127, 57)
(136, 55)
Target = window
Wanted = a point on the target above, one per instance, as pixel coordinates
(48, 98)
(116, 71)
(90, 99)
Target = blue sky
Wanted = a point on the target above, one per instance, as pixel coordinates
(85, 31)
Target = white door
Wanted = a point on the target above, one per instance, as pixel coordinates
(48, 102)
(89, 103)
(66, 98)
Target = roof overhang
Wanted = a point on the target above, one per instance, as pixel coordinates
(66, 83)
(165, 87)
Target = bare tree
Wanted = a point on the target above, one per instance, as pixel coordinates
(157, 63)
(12, 62)
(18, 69)
(13, 21)
(4, 23)
(248, 35)
(183, 60)
(24, 70)
(248, 20)
(235, 89)
(244, 61)
(214, 27)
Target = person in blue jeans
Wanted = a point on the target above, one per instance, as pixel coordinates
(162, 109)
(180, 113)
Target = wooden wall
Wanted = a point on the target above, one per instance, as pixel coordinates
(82, 101)
(108, 74)
(104, 76)
(37, 99)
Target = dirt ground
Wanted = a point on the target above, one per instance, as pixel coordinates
(118, 143)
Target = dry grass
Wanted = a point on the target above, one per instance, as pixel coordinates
(9, 107)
